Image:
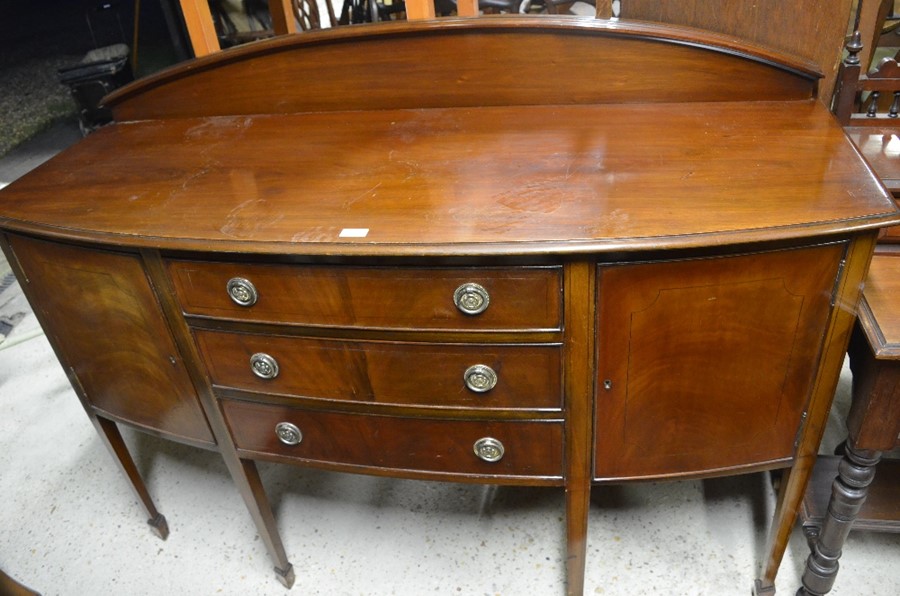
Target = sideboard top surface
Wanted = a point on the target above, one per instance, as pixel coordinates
(507, 136)
(494, 180)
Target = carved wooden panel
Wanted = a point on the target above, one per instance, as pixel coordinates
(707, 364)
(101, 314)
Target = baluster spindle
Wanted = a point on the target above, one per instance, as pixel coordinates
(873, 104)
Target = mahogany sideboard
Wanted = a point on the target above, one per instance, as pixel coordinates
(502, 250)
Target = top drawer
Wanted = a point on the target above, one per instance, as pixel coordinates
(516, 298)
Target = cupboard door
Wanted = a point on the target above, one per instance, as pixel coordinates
(707, 364)
(104, 321)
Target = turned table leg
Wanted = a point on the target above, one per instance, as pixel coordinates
(848, 493)
(111, 436)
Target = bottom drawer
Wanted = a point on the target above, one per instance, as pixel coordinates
(530, 449)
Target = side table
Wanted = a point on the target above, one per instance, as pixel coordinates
(857, 500)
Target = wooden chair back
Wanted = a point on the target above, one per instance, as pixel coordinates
(867, 97)
(424, 9)
(867, 103)
(202, 32)
(417, 10)
(307, 14)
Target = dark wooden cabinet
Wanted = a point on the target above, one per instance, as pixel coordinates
(634, 252)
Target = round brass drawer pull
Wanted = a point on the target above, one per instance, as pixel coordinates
(288, 433)
(242, 291)
(489, 449)
(264, 366)
(471, 299)
(480, 378)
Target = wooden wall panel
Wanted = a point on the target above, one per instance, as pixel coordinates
(811, 29)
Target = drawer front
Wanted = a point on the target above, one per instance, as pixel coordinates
(529, 448)
(473, 376)
(527, 298)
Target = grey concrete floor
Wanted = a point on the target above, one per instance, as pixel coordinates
(69, 524)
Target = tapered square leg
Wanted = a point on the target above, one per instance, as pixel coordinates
(286, 577)
(577, 504)
(246, 477)
(111, 436)
(159, 525)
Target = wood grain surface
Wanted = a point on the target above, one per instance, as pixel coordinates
(528, 376)
(99, 311)
(880, 308)
(682, 347)
(520, 180)
(533, 450)
(811, 29)
(507, 60)
(400, 298)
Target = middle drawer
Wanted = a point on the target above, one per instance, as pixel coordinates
(469, 376)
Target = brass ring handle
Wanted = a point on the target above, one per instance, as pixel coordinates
(264, 366)
(242, 291)
(480, 378)
(489, 449)
(288, 433)
(471, 299)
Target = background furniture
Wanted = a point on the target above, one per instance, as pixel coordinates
(291, 262)
(847, 484)
(867, 103)
(810, 29)
(841, 494)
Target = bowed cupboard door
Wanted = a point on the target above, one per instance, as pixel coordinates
(104, 320)
(706, 365)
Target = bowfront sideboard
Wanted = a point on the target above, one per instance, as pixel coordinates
(416, 250)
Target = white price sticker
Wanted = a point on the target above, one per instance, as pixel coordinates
(354, 233)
